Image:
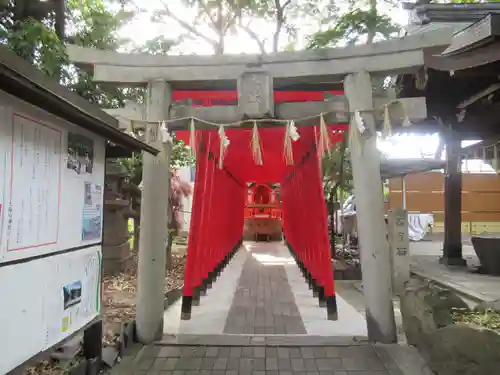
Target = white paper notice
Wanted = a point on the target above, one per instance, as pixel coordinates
(33, 211)
(5, 147)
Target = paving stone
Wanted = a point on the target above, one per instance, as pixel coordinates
(329, 364)
(319, 352)
(332, 352)
(310, 364)
(246, 366)
(208, 363)
(150, 352)
(233, 364)
(298, 364)
(169, 364)
(295, 352)
(188, 363)
(271, 364)
(170, 351)
(362, 364)
(146, 363)
(212, 352)
(220, 364)
(158, 363)
(223, 352)
(284, 364)
(307, 352)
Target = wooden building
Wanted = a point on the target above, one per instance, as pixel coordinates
(460, 83)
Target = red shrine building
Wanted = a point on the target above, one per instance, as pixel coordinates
(263, 214)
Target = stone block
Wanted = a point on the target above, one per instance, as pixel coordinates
(449, 348)
(255, 95)
(425, 309)
(463, 349)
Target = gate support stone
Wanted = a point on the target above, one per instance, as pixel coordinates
(375, 252)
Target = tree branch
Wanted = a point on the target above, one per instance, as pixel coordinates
(189, 27)
(252, 34)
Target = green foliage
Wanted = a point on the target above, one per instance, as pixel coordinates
(352, 27)
(337, 171)
(488, 319)
(35, 42)
(92, 23)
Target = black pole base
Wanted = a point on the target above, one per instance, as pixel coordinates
(315, 289)
(187, 302)
(331, 308)
(321, 296)
(196, 296)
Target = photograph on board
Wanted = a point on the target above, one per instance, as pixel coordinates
(92, 212)
(80, 153)
(72, 294)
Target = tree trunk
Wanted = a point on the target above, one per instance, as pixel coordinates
(341, 178)
(60, 18)
(333, 222)
(170, 242)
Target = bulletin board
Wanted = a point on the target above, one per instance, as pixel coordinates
(51, 183)
(51, 207)
(47, 300)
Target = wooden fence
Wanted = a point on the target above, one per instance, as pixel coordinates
(424, 193)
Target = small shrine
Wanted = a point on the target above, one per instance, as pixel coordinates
(263, 214)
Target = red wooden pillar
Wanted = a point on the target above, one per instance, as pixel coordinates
(324, 253)
(195, 232)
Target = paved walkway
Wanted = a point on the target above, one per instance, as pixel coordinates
(261, 318)
(237, 360)
(425, 262)
(262, 292)
(274, 360)
(263, 302)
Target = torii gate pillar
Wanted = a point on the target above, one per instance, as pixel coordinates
(154, 218)
(375, 252)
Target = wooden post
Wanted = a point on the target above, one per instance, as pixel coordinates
(400, 249)
(154, 217)
(375, 253)
(452, 246)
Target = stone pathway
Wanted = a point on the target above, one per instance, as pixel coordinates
(261, 318)
(263, 302)
(238, 360)
(262, 291)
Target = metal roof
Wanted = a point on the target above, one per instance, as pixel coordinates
(391, 168)
(20, 79)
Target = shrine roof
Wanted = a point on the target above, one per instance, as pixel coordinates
(423, 13)
(20, 79)
(475, 27)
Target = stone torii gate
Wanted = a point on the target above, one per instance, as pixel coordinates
(256, 78)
